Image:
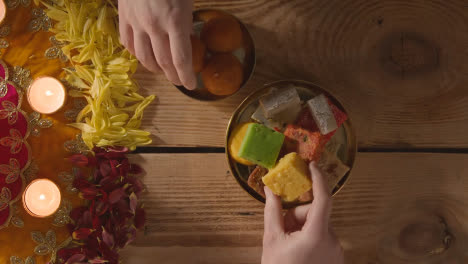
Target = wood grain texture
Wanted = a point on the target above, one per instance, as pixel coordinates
(399, 66)
(397, 208)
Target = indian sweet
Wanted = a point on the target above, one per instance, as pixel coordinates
(222, 34)
(223, 74)
(289, 178)
(255, 180)
(322, 114)
(235, 142)
(198, 54)
(261, 145)
(279, 101)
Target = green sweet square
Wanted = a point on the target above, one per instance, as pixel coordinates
(261, 145)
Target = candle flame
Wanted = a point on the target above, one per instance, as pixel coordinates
(41, 197)
(49, 93)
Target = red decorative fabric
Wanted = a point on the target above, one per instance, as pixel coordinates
(14, 150)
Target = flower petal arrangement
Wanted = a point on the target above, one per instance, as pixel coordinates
(101, 73)
(83, 148)
(108, 182)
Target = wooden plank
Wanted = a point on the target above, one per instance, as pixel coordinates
(396, 65)
(397, 208)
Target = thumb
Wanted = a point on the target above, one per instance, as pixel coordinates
(274, 220)
(319, 213)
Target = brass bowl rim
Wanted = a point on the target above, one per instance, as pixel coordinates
(343, 181)
(185, 91)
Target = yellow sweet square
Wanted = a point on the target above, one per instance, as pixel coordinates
(289, 178)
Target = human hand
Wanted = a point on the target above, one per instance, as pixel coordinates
(158, 34)
(302, 235)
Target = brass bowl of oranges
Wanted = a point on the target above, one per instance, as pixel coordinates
(223, 55)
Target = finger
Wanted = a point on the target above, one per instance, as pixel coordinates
(274, 222)
(144, 53)
(126, 36)
(319, 213)
(181, 50)
(162, 51)
(296, 217)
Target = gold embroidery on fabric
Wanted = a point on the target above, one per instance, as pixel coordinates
(21, 77)
(68, 178)
(15, 141)
(12, 171)
(4, 31)
(48, 244)
(16, 220)
(40, 20)
(36, 123)
(78, 105)
(15, 3)
(18, 260)
(62, 216)
(76, 146)
(9, 111)
(5, 197)
(55, 51)
(31, 172)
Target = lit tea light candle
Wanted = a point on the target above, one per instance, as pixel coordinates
(46, 95)
(41, 198)
(2, 10)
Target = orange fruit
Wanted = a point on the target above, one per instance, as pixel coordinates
(222, 34)
(223, 74)
(198, 54)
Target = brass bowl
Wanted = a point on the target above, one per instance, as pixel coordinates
(306, 91)
(200, 93)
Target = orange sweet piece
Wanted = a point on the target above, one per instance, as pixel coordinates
(223, 74)
(222, 34)
(198, 54)
(207, 15)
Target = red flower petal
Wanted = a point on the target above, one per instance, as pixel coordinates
(135, 169)
(82, 233)
(79, 160)
(137, 185)
(131, 235)
(107, 238)
(116, 195)
(66, 253)
(101, 207)
(97, 261)
(133, 202)
(77, 213)
(75, 258)
(96, 222)
(105, 169)
(89, 193)
(81, 183)
(140, 218)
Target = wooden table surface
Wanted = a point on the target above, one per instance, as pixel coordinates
(401, 70)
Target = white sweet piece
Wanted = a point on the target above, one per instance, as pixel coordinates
(259, 116)
(322, 114)
(279, 100)
(332, 167)
(280, 120)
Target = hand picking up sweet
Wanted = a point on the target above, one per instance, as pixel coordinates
(303, 235)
